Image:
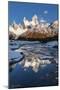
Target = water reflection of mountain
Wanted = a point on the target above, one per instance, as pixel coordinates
(38, 67)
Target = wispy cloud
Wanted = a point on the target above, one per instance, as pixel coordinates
(45, 12)
(42, 20)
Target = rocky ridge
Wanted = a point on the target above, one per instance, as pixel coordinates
(34, 29)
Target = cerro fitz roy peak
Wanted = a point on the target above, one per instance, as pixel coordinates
(34, 29)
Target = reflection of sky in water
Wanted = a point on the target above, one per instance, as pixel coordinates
(46, 75)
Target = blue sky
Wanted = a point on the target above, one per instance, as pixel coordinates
(18, 10)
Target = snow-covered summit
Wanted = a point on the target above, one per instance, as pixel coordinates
(34, 28)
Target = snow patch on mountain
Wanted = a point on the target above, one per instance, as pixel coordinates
(34, 25)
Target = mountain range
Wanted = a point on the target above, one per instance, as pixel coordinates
(35, 29)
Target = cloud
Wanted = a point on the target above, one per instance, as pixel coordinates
(42, 20)
(45, 12)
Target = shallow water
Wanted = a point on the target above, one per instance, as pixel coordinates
(20, 76)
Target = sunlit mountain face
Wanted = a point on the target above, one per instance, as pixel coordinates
(35, 20)
(34, 29)
(33, 44)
